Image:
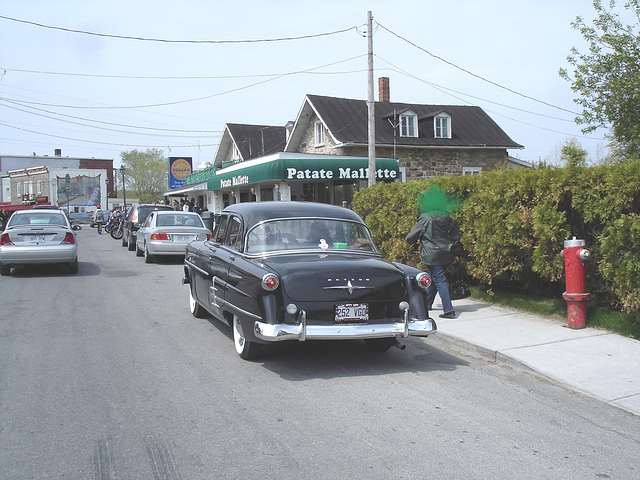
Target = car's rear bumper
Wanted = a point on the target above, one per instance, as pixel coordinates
(302, 331)
(166, 248)
(38, 255)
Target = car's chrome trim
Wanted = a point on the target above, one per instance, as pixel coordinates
(309, 251)
(194, 266)
(239, 310)
(302, 331)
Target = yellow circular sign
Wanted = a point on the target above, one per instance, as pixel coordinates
(180, 168)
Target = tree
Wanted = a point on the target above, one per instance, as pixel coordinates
(146, 173)
(573, 155)
(607, 79)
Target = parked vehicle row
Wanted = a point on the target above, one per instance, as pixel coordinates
(274, 271)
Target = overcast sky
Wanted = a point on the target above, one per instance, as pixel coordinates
(94, 95)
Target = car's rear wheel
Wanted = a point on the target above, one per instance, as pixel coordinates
(246, 349)
(148, 258)
(195, 308)
(139, 253)
(5, 270)
(131, 244)
(379, 344)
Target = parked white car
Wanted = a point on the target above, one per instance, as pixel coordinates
(39, 236)
(168, 233)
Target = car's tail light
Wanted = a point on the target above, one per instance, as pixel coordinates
(208, 236)
(423, 279)
(270, 282)
(159, 236)
(5, 240)
(69, 238)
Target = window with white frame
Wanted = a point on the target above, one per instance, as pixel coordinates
(442, 126)
(235, 155)
(409, 125)
(471, 170)
(318, 129)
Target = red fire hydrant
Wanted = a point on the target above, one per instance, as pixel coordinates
(575, 256)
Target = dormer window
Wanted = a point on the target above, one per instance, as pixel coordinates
(235, 156)
(409, 125)
(318, 129)
(442, 126)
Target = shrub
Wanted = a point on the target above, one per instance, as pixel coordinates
(513, 224)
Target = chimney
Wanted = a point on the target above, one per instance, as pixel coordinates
(57, 152)
(383, 89)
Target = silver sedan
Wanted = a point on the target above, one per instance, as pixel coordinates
(168, 233)
(34, 237)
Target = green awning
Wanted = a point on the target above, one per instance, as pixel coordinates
(329, 168)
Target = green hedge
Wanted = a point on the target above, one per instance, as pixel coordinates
(514, 222)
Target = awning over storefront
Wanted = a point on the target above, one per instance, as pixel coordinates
(183, 191)
(300, 167)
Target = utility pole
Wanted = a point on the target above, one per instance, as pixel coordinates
(371, 104)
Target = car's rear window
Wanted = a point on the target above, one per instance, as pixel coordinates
(308, 234)
(43, 217)
(144, 212)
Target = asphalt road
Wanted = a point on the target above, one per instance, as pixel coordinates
(106, 375)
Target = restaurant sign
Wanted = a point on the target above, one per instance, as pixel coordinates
(292, 169)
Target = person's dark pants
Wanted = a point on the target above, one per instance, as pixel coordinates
(99, 228)
(439, 284)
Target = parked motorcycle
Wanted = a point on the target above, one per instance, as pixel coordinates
(116, 227)
(113, 221)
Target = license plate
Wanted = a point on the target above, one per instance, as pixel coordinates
(37, 239)
(182, 238)
(352, 313)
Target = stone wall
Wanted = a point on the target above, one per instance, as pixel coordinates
(419, 163)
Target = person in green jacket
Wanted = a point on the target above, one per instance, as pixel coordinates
(439, 239)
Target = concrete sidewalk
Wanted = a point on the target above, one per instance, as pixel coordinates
(596, 362)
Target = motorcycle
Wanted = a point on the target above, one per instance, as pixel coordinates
(112, 222)
(116, 227)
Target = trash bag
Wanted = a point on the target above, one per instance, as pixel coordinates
(457, 287)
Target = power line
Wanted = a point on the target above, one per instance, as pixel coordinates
(107, 143)
(164, 40)
(155, 77)
(96, 121)
(476, 75)
(446, 89)
(177, 102)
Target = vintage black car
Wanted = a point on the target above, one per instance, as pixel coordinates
(303, 271)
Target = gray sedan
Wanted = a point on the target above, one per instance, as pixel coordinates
(168, 233)
(34, 237)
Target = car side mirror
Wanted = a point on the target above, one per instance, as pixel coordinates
(76, 227)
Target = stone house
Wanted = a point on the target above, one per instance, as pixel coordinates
(427, 140)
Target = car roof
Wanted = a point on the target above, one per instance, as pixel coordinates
(254, 212)
(173, 212)
(40, 211)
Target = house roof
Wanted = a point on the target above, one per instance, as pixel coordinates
(346, 122)
(251, 140)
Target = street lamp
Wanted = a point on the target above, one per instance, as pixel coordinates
(124, 193)
(106, 184)
(66, 192)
